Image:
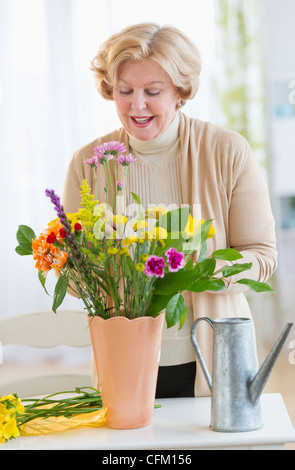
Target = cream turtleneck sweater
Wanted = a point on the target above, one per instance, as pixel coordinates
(156, 180)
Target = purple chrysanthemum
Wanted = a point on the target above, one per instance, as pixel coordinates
(154, 266)
(125, 160)
(109, 149)
(175, 259)
(94, 161)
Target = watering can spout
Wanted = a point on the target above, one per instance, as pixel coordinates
(256, 385)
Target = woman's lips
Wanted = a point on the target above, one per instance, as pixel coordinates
(142, 121)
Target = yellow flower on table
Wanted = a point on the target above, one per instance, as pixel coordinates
(10, 407)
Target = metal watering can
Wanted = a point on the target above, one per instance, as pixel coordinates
(235, 385)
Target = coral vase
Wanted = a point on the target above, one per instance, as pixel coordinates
(127, 354)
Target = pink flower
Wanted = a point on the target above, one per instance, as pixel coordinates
(154, 266)
(119, 185)
(110, 149)
(93, 161)
(175, 259)
(125, 160)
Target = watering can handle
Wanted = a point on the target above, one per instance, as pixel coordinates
(198, 351)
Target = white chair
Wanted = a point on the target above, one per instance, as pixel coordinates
(45, 330)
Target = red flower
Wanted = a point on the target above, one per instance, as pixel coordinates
(51, 238)
(77, 227)
(62, 233)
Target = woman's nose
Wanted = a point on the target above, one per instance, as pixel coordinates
(138, 101)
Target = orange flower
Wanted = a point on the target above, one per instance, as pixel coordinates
(59, 261)
(46, 254)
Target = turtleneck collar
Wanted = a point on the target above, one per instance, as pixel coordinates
(164, 139)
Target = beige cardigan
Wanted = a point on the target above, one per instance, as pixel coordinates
(220, 173)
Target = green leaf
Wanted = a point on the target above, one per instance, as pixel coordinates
(189, 265)
(158, 303)
(174, 310)
(237, 268)
(25, 235)
(42, 279)
(136, 198)
(206, 267)
(213, 285)
(256, 286)
(228, 254)
(59, 293)
(20, 251)
(175, 282)
(202, 255)
(183, 318)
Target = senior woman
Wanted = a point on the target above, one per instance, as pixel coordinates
(150, 72)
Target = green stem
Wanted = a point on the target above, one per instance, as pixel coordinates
(110, 183)
(106, 184)
(126, 186)
(84, 402)
(95, 182)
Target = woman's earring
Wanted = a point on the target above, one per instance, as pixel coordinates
(179, 104)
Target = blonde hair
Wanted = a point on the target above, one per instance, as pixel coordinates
(166, 45)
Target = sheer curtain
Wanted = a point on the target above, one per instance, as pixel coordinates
(49, 107)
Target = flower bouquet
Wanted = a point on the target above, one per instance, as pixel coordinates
(128, 270)
(120, 266)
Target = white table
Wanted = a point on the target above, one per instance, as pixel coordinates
(180, 424)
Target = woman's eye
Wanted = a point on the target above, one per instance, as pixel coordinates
(152, 92)
(125, 92)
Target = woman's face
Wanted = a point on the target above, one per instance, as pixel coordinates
(146, 99)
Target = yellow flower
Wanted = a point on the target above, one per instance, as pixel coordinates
(112, 250)
(9, 406)
(191, 226)
(212, 229)
(155, 213)
(72, 218)
(120, 219)
(139, 225)
(129, 240)
(10, 429)
(123, 251)
(144, 257)
(139, 267)
(159, 232)
(146, 235)
(162, 243)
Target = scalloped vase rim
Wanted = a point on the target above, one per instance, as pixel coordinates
(125, 318)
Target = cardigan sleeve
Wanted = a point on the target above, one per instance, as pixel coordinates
(251, 222)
